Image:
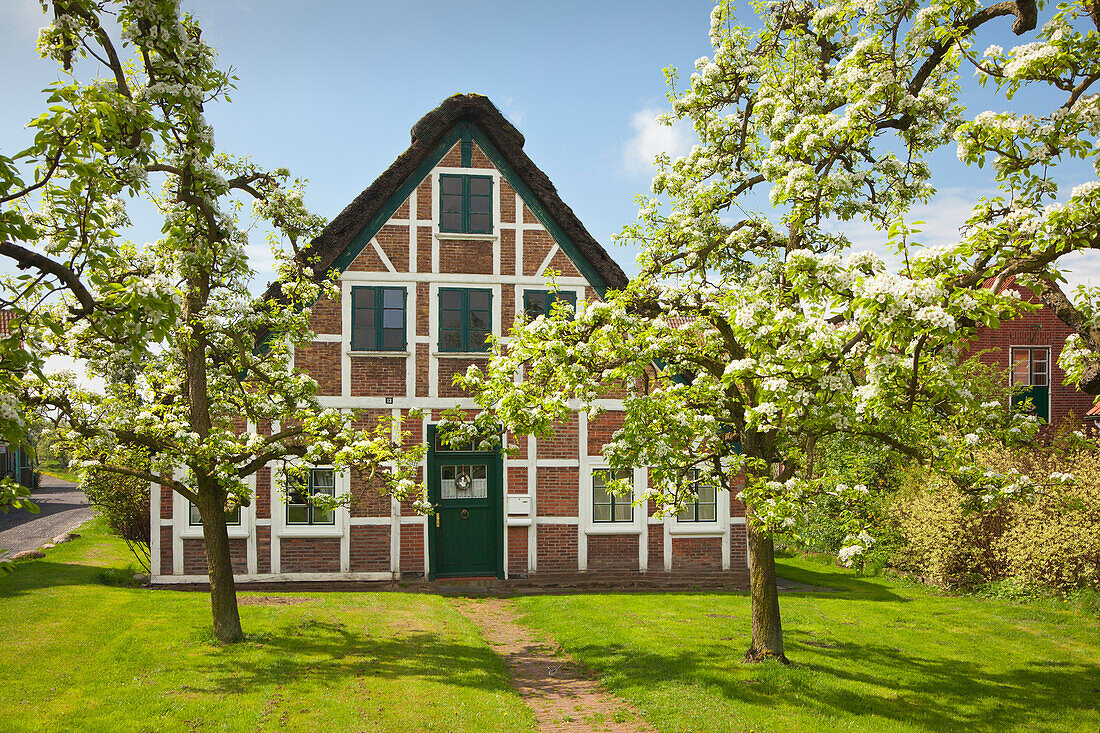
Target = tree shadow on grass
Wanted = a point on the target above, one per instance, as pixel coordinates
(30, 575)
(329, 654)
(932, 694)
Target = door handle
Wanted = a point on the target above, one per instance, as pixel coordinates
(437, 519)
(464, 514)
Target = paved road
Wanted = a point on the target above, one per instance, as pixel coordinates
(62, 508)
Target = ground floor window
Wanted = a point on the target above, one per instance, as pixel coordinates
(232, 517)
(607, 507)
(299, 509)
(705, 506)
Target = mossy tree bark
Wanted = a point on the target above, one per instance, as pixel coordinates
(767, 626)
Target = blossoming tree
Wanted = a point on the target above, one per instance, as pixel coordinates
(752, 330)
(198, 373)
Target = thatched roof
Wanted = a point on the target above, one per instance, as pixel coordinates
(427, 135)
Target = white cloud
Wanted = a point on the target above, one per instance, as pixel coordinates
(650, 138)
(942, 219)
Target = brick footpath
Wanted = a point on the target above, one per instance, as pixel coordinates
(563, 698)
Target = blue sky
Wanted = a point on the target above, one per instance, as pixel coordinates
(330, 89)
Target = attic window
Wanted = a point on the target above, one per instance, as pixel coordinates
(466, 204)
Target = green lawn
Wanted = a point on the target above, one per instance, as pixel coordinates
(879, 655)
(82, 655)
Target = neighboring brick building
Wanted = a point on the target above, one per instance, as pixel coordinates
(451, 243)
(1027, 350)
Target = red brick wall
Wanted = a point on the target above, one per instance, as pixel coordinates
(394, 241)
(263, 493)
(739, 552)
(478, 158)
(368, 261)
(1041, 328)
(452, 366)
(613, 552)
(422, 370)
(507, 251)
(166, 550)
(562, 444)
(737, 509)
(424, 205)
(529, 216)
(378, 376)
(309, 554)
(370, 549)
(402, 210)
(507, 204)
(322, 362)
(194, 556)
(167, 500)
(466, 256)
(600, 430)
(263, 549)
(697, 552)
(517, 480)
(556, 491)
(325, 316)
(536, 245)
(517, 550)
(557, 548)
(412, 549)
(656, 547)
(369, 499)
(423, 308)
(562, 264)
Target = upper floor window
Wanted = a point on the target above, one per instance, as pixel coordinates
(540, 302)
(705, 506)
(466, 204)
(606, 506)
(465, 319)
(232, 517)
(299, 508)
(377, 319)
(1031, 378)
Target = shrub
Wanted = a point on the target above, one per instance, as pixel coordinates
(1052, 540)
(124, 503)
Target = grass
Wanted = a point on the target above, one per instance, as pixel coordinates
(53, 468)
(877, 654)
(84, 652)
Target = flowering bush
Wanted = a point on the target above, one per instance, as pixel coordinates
(1052, 540)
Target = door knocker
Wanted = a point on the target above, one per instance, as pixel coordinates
(465, 514)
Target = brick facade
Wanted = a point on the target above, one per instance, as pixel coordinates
(555, 537)
(1039, 328)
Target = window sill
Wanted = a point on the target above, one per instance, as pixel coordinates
(195, 533)
(462, 235)
(461, 354)
(613, 528)
(311, 530)
(696, 529)
(386, 354)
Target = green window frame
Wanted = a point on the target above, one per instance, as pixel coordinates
(378, 319)
(465, 319)
(705, 506)
(541, 302)
(299, 509)
(1030, 375)
(607, 508)
(465, 204)
(194, 517)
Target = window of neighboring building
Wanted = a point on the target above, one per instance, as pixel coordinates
(232, 518)
(705, 506)
(465, 319)
(1031, 378)
(607, 507)
(466, 204)
(377, 319)
(540, 302)
(299, 509)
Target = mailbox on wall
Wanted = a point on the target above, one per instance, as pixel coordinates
(519, 505)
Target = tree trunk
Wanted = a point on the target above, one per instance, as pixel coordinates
(767, 628)
(223, 592)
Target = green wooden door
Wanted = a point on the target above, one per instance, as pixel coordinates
(1040, 399)
(464, 535)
